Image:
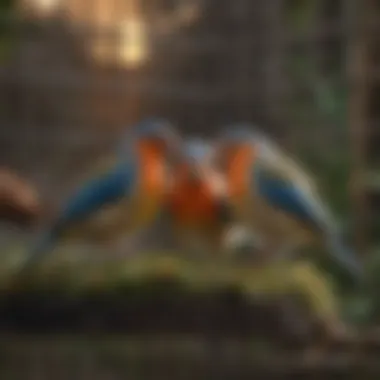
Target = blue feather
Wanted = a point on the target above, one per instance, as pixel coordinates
(100, 191)
(291, 199)
(95, 194)
(45, 243)
(287, 197)
(109, 188)
(345, 256)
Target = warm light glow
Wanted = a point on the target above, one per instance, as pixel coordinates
(133, 47)
(45, 6)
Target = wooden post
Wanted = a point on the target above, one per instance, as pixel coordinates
(357, 115)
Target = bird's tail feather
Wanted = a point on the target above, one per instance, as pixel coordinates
(44, 244)
(345, 257)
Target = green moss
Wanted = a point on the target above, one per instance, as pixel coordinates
(149, 276)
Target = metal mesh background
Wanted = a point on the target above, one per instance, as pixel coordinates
(209, 63)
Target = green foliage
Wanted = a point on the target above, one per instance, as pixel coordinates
(360, 305)
(324, 114)
(328, 110)
(300, 14)
(5, 5)
(6, 28)
(153, 276)
(370, 294)
(363, 306)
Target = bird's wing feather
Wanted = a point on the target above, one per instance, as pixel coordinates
(99, 191)
(292, 195)
(88, 199)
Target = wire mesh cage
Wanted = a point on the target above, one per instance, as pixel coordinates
(75, 74)
(78, 74)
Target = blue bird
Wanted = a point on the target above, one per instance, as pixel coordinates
(275, 197)
(125, 198)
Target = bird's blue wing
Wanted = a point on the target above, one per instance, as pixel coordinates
(286, 195)
(106, 189)
(98, 192)
(302, 205)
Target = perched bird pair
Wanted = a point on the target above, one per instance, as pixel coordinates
(241, 180)
(274, 206)
(156, 177)
(250, 194)
(198, 209)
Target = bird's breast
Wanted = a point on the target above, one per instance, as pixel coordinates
(193, 204)
(153, 173)
(152, 185)
(238, 178)
(144, 202)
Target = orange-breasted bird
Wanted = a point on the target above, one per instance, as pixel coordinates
(126, 198)
(272, 195)
(197, 208)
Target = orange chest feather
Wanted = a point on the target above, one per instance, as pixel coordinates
(238, 173)
(192, 203)
(153, 171)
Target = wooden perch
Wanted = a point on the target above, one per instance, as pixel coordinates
(19, 201)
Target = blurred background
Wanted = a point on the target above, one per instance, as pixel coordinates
(75, 73)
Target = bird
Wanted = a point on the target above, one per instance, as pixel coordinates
(197, 209)
(276, 198)
(124, 198)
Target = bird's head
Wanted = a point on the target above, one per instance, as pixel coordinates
(159, 133)
(156, 134)
(234, 142)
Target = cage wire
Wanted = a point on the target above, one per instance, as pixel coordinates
(74, 74)
(73, 77)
